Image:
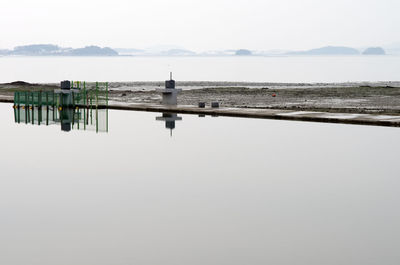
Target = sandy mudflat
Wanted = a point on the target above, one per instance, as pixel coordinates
(380, 97)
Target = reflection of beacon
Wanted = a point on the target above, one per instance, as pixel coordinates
(66, 118)
(169, 119)
(66, 104)
(169, 93)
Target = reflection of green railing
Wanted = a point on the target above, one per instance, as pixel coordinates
(69, 118)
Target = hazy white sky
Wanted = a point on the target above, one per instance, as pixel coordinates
(200, 25)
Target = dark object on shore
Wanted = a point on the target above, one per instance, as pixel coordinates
(65, 85)
(215, 104)
(170, 84)
(202, 104)
(374, 51)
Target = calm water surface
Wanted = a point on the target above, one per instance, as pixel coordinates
(219, 191)
(249, 69)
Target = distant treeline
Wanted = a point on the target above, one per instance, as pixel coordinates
(54, 50)
(338, 50)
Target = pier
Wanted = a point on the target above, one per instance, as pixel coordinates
(73, 107)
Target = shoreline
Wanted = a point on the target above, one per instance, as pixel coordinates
(372, 104)
(189, 85)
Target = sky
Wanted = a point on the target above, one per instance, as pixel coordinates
(200, 25)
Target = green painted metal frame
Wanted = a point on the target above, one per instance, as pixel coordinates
(89, 98)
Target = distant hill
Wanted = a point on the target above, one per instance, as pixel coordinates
(374, 51)
(54, 50)
(393, 48)
(177, 52)
(36, 49)
(171, 50)
(243, 52)
(129, 51)
(92, 51)
(328, 50)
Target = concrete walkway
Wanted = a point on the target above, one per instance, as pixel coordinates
(345, 118)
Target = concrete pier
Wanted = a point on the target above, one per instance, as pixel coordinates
(276, 114)
(310, 116)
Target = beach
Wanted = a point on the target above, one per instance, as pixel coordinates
(366, 97)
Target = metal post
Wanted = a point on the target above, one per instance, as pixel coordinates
(40, 99)
(54, 106)
(47, 115)
(84, 119)
(78, 112)
(97, 120)
(107, 106)
(39, 115)
(26, 114)
(97, 94)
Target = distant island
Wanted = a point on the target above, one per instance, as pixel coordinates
(243, 52)
(329, 50)
(339, 50)
(54, 50)
(92, 51)
(176, 51)
(374, 51)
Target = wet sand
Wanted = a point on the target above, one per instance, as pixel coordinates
(346, 98)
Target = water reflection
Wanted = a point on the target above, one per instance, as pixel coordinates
(169, 119)
(88, 119)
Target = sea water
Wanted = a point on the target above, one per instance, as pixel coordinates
(200, 190)
(291, 69)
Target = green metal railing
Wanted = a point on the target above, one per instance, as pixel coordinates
(84, 106)
(93, 96)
